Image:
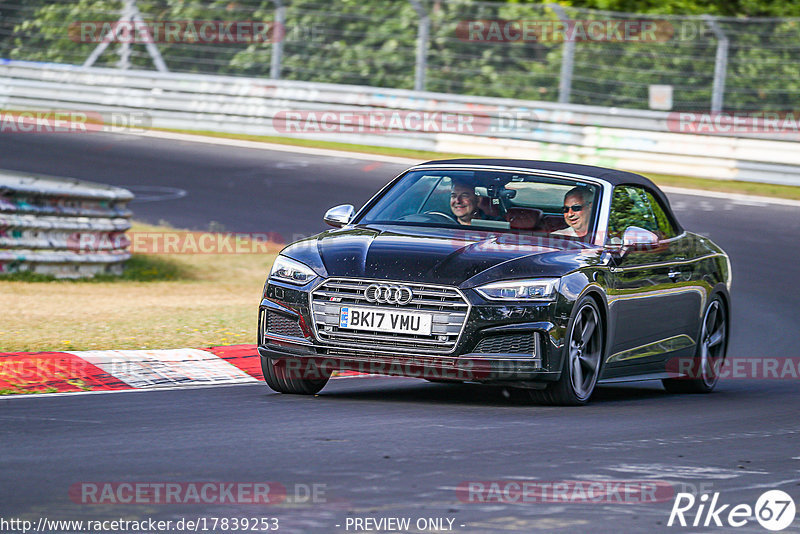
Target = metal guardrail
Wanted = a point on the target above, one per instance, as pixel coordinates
(62, 227)
(644, 141)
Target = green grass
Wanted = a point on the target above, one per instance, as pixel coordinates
(728, 186)
(162, 301)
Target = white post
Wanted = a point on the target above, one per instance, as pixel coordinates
(567, 60)
(720, 65)
(423, 32)
(278, 34)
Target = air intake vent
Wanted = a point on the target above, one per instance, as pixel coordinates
(507, 344)
(275, 323)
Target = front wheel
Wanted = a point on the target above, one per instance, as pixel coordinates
(710, 354)
(290, 376)
(583, 353)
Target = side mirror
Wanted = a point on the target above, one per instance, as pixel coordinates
(634, 238)
(638, 237)
(339, 215)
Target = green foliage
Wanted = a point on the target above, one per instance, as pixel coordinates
(140, 268)
(45, 36)
(374, 42)
(630, 207)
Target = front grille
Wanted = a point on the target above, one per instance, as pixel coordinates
(275, 323)
(446, 304)
(507, 344)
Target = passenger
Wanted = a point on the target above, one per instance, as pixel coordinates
(577, 209)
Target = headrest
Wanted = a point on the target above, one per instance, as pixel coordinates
(523, 218)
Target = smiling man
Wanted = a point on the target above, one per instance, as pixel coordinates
(577, 209)
(463, 202)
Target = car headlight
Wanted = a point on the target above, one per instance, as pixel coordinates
(288, 270)
(524, 290)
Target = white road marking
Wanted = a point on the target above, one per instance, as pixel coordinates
(681, 471)
(157, 368)
(114, 391)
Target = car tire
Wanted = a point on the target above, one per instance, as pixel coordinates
(712, 346)
(283, 378)
(583, 357)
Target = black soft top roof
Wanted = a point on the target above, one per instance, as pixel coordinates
(614, 177)
(610, 175)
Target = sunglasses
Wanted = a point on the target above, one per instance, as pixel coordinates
(574, 207)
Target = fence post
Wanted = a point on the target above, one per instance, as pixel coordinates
(279, 33)
(567, 60)
(423, 32)
(124, 52)
(131, 15)
(720, 65)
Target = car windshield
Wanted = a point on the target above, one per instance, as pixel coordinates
(492, 200)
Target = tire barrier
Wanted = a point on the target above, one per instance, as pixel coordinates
(62, 227)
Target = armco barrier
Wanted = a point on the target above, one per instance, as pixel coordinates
(629, 139)
(48, 225)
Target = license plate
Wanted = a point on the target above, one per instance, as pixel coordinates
(399, 322)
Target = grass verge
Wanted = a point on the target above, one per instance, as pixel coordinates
(162, 301)
(705, 184)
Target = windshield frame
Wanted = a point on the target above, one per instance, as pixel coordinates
(602, 199)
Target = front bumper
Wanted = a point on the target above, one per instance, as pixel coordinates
(310, 356)
(466, 368)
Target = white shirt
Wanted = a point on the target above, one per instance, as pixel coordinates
(568, 231)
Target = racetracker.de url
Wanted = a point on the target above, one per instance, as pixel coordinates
(142, 526)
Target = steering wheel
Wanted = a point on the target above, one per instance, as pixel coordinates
(445, 217)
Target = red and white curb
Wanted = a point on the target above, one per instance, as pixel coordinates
(114, 370)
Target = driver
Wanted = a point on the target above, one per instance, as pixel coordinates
(464, 203)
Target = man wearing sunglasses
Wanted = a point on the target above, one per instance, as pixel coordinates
(577, 210)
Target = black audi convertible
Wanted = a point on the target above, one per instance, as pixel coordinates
(547, 277)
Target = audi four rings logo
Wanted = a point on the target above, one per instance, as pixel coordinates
(385, 294)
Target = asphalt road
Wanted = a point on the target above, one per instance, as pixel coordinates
(382, 448)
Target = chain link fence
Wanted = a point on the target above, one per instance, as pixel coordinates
(540, 52)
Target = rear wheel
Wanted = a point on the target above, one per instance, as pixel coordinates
(582, 359)
(290, 376)
(710, 354)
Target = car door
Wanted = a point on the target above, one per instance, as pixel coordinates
(652, 299)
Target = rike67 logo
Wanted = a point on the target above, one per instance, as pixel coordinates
(774, 510)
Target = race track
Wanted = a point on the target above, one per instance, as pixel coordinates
(388, 447)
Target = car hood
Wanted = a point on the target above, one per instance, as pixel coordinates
(437, 255)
